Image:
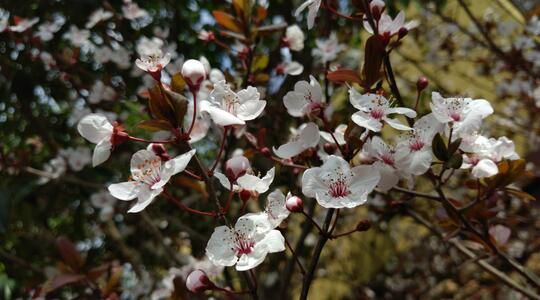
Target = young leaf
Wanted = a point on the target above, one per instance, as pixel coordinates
(455, 161)
(374, 54)
(155, 125)
(453, 146)
(439, 148)
(344, 75)
(69, 253)
(179, 104)
(226, 20)
(178, 84)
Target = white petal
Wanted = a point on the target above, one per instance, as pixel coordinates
(223, 180)
(144, 199)
(176, 165)
(95, 128)
(289, 150)
(397, 124)
(250, 109)
(389, 179)
(220, 247)
(363, 120)
(125, 190)
(310, 182)
(221, 117)
(102, 152)
(309, 135)
(485, 168)
(273, 241)
(294, 68)
(402, 111)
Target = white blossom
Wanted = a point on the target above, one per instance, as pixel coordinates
(313, 7)
(294, 38)
(227, 108)
(153, 62)
(244, 245)
(301, 139)
(100, 91)
(21, 25)
(483, 154)
(374, 109)
(327, 49)
(97, 16)
(387, 162)
(97, 129)
(336, 185)
(305, 98)
(149, 176)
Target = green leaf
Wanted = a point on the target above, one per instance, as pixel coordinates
(179, 104)
(453, 146)
(439, 148)
(455, 161)
(178, 84)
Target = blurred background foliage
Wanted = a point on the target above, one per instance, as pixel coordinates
(396, 259)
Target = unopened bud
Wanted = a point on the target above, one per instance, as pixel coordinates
(376, 7)
(197, 282)
(236, 167)
(266, 152)
(160, 151)
(194, 73)
(330, 148)
(402, 32)
(363, 225)
(294, 204)
(421, 83)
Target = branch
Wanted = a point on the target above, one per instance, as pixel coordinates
(481, 262)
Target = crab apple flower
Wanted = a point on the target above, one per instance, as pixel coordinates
(244, 245)
(153, 63)
(414, 150)
(227, 108)
(387, 27)
(327, 49)
(339, 134)
(21, 25)
(247, 183)
(386, 162)
(294, 38)
(149, 177)
(97, 129)
(313, 7)
(132, 11)
(274, 213)
(374, 109)
(206, 36)
(305, 99)
(197, 281)
(194, 73)
(292, 68)
(236, 166)
(336, 185)
(483, 154)
(303, 138)
(464, 114)
(97, 16)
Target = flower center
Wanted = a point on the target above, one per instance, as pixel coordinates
(230, 102)
(388, 159)
(377, 114)
(150, 172)
(339, 189)
(243, 245)
(416, 145)
(455, 116)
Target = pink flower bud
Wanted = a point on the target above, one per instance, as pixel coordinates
(376, 7)
(421, 83)
(294, 204)
(159, 150)
(197, 282)
(194, 73)
(330, 148)
(266, 152)
(402, 32)
(363, 225)
(236, 167)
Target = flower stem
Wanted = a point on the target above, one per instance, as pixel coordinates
(221, 147)
(182, 206)
(136, 139)
(323, 238)
(194, 117)
(295, 257)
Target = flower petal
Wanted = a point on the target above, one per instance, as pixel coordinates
(125, 190)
